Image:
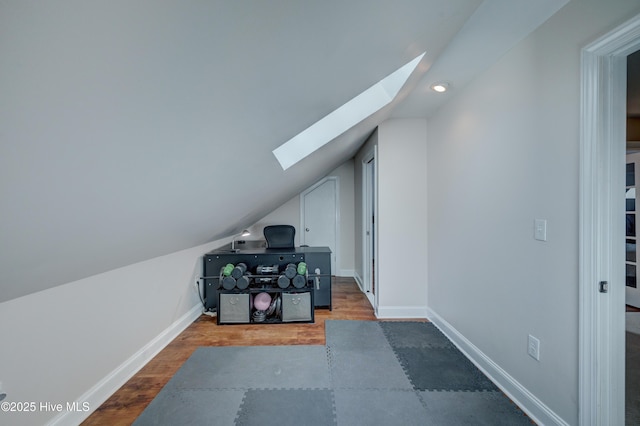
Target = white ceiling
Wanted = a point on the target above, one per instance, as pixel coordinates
(130, 130)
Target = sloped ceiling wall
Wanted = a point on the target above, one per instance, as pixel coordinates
(129, 130)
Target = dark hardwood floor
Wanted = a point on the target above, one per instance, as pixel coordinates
(126, 404)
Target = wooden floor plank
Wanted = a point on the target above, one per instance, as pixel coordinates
(126, 404)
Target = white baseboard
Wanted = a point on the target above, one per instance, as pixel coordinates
(401, 312)
(102, 390)
(359, 281)
(528, 402)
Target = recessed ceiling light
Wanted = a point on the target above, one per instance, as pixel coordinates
(440, 87)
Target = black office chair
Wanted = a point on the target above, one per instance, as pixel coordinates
(280, 236)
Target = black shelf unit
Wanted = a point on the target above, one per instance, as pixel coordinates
(289, 305)
(318, 277)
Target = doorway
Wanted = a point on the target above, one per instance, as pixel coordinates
(632, 289)
(602, 235)
(369, 225)
(632, 178)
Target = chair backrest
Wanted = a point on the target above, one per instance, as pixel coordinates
(279, 236)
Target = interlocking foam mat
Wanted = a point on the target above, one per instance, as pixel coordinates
(369, 373)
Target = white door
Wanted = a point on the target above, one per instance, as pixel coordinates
(319, 217)
(632, 295)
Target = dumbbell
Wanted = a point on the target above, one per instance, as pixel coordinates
(283, 281)
(228, 283)
(299, 281)
(239, 270)
(242, 282)
(226, 270)
(291, 270)
(267, 270)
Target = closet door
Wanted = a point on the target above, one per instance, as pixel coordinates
(319, 212)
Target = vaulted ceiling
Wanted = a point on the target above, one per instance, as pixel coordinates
(129, 130)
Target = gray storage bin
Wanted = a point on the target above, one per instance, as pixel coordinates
(234, 308)
(296, 307)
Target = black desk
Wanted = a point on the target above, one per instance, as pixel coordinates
(318, 260)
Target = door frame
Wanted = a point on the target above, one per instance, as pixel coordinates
(368, 243)
(336, 186)
(601, 356)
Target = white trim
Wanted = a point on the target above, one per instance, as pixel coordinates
(359, 281)
(369, 295)
(602, 148)
(401, 312)
(371, 301)
(535, 409)
(102, 390)
(336, 183)
(371, 155)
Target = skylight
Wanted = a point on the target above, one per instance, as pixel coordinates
(345, 117)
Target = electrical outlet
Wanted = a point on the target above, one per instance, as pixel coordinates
(534, 348)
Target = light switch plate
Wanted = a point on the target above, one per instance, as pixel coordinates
(540, 229)
(533, 347)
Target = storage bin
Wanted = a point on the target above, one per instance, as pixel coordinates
(234, 308)
(296, 307)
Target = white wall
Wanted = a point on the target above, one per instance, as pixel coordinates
(347, 218)
(401, 221)
(504, 152)
(289, 214)
(81, 341)
(402, 217)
